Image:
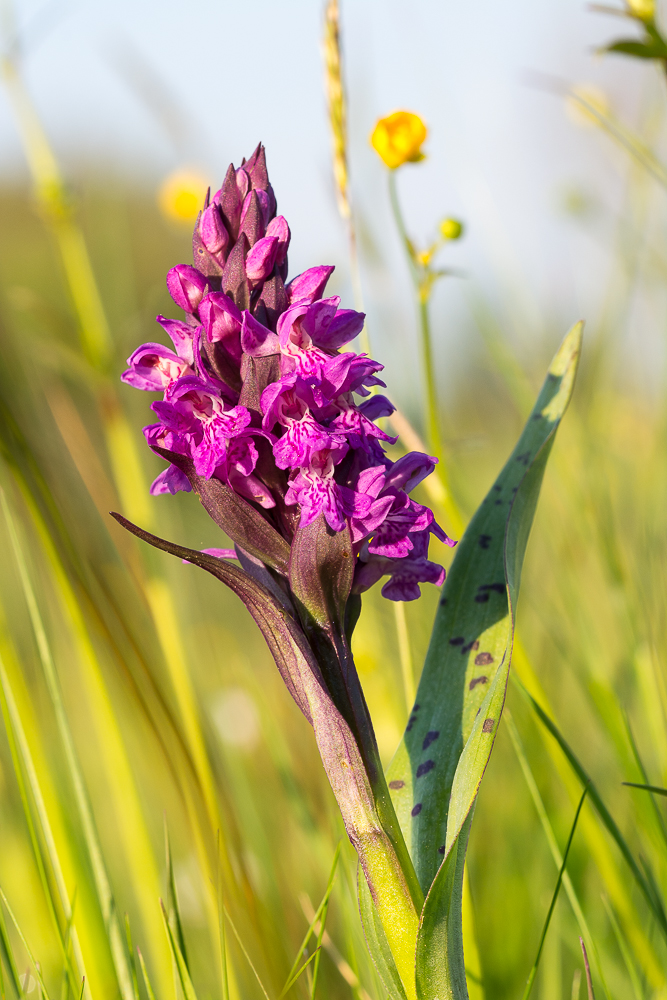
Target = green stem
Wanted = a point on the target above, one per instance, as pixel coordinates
(422, 290)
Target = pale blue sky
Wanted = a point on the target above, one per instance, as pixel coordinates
(502, 153)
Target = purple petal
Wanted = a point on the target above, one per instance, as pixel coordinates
(259, 262)
(257, 340)
(278, 227)
(186, 286)
(409, 470)
(171, 480)
(212, 230)
(346, 325)
(181, 336)
(222, 320)
(376, 407)
(153, 368)
(308, 286)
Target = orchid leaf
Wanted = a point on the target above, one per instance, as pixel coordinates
(435, 775)
(244, 525)
(376, 942)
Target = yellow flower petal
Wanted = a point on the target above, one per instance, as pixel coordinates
(397, 139)
(181, 195)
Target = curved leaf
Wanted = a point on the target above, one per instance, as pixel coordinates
(439, 765)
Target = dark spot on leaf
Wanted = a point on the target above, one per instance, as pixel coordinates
(416, 708)
(483, 659)
(488, 725)
(396, 784)
(477, 680)
(466, 649)
(497, 487)
(499, 588)
(498, 502)
(475, 644)
(429, 738)
(458, 641)
(443, 601)
(482, 598)
(424, 768)
(524, 458)
(416, 809)
(441, 850)
(484, 541)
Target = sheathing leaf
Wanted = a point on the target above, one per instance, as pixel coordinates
(436, 772)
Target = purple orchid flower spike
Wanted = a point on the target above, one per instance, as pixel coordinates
(263, 416)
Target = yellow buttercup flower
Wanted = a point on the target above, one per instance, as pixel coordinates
(643, 9)
(398, 138)
(181, 195)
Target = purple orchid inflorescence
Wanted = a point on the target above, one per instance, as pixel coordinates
(259, 396)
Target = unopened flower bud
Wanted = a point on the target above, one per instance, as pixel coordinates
(212, 229)
(186, 286)
(398, 138)
(278, 227)
(259, 262)
(451, 229)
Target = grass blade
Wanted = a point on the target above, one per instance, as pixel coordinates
(144, 971)
(647, 788)
(589, 981)
(319, 913)
(35, 964)
(553, 844)
(645, 886)
(174, 914)
(91, 836)
(554, 898)
(179, 960)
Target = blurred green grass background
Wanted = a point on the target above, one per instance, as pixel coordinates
(179, 719)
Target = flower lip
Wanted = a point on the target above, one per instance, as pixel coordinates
(154, 368)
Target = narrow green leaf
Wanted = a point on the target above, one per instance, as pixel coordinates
(245, 954)
(177, 955)
(647, 788)
(439, 765)
(174, 914)
(554, 898)
(654, 902)
(319, 916)
(290, 982)
(440, 966)
(377, 944)
(35, 964)
(224, 977)
(91, 836)
(130, 951)
(7, 953)
(462, 688)
(639, 50)
(622, 943)
(144, 972)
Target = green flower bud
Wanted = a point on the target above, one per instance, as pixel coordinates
(451, 229)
